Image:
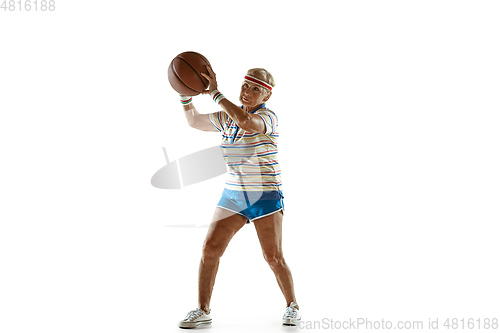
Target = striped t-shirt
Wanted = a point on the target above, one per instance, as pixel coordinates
(252, 158)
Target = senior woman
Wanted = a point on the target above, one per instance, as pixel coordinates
(252, 192)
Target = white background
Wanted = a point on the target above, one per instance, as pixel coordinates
(389, 146)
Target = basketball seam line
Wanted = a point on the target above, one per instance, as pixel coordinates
(179, 78)
(194, 70)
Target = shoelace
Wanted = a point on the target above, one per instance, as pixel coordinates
(195, 314)
(291, 312)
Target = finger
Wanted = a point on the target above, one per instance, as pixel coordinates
(205, 92)
(210, 70)
(209, 78)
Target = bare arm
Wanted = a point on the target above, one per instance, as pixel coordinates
(246, 121)
(197, 120)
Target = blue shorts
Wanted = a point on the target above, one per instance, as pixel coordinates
(252, 205)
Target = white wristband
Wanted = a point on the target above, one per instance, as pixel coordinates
(217, 96)
(185, 100)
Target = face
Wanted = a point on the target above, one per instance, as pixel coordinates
(253, 95)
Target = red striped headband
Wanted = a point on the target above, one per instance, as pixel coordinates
(259, 82)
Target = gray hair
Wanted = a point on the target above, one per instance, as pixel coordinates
(262, 74)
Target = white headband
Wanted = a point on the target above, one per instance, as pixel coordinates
(259, 82)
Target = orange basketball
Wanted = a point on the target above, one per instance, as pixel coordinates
(184, 73)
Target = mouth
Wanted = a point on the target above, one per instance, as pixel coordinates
(244, 99)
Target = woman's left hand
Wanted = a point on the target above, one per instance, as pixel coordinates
(212, 81)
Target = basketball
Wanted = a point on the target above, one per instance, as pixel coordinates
(184, 73)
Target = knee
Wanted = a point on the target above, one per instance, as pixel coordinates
(274, 259)
(210, 252)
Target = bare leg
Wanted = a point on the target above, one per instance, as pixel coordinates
(224, 226)
(269, 232)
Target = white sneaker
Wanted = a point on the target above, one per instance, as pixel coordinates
(292, 315)
(195, 318)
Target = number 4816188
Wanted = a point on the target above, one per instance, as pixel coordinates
(28, 5)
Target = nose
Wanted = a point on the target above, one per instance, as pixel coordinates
(245, 91)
